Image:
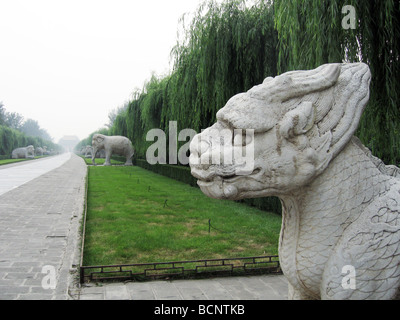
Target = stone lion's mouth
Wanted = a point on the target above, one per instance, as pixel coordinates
(206, 179)
(223, 185)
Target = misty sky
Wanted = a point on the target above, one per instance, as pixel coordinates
(68, 63)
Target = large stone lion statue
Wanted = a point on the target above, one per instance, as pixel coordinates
(340, 236)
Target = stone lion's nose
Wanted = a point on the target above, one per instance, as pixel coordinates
(199, 149)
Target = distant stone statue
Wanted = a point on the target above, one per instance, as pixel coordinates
(39, 151)
(112, 145)
(340, 236)
(23, 153)
(88, 152)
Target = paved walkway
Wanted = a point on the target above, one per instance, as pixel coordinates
(41, 208)
(265, 287)
(39, 222)
(16, 174)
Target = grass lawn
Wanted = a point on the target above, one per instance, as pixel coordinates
(8, 161)
(137, 216)
(100, 161)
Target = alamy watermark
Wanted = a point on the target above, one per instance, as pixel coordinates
(227, 147)
(49, 281)
(349, 278)
(349, 20)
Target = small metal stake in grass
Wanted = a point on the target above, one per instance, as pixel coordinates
(165, 203)
(209, 225)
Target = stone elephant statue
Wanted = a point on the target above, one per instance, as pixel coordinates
(88, 152)
(112, 145)
(23, 153)
(39, 151)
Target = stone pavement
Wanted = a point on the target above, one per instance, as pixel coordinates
(16, 174)
(39, 223)
(265, 287)
(41, 211)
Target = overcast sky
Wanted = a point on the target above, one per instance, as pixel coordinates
(68, 63)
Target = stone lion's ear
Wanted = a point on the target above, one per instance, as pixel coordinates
(298, 121)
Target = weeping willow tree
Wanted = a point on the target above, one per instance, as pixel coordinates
(12, 138)
(229, 47)
(226, 48)
(312, 33)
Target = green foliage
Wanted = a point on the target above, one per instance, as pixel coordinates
(227, 49)
(136, 216)
(310, 34)
(31, 128)
(179, 173)
(14, 134)
(101, 161)
(2, 114)
(5, 160)
(120, 123)
(11, 139)
(88, 140)
(14, 120)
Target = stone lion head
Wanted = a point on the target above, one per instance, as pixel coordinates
(281, 134)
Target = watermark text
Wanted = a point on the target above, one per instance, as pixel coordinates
(349, 20)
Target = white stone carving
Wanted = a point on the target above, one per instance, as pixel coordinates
(87, 151)
(340, 236)
(112, 145)
(23, 153)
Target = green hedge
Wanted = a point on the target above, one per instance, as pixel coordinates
(183, 174)
(175, 172)
(272, 204)
(11, 139)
